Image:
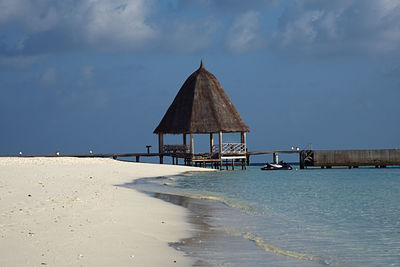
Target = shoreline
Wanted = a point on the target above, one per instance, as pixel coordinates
(206, 235)
(217, 241)
(74, 212)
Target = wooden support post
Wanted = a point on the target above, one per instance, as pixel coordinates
(184, 143)
(233, 164)
(220, 150)
(220, 144)
(161, 146)
(302, 159)
(244, 141)
(243, 137)
(211, 143)
(191, 144)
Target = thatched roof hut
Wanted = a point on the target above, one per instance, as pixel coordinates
(201, 106)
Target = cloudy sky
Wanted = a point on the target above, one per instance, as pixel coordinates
(99, 74)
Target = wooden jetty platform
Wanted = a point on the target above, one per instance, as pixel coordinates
(380, 158)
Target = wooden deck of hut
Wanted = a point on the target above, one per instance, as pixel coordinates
(202, 107)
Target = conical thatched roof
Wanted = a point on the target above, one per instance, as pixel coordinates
(201, 106)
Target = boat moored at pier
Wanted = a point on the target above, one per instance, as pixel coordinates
(276, 166)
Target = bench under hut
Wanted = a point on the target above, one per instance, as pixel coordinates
(202, 107)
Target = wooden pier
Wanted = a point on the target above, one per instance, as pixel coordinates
(213, 160)
(379, 158)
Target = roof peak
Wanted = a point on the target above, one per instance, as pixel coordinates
(201, 64)
(201, 106)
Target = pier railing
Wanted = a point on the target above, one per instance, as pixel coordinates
(232, 148)
(176, 149)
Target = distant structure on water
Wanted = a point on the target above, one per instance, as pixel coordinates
(202, 107)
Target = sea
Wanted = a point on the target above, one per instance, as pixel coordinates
(311, 217)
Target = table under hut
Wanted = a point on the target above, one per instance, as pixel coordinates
(202, 107)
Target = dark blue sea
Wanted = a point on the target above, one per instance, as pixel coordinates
(312, 217)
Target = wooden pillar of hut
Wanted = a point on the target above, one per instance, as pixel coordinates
(161, 146)
(220, 143)
(184, 143)
(243, 141)
(220, 148)
(211, 143)
(191, 144)
(243, 137)
(191, 147)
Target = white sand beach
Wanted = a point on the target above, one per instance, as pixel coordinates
(71, 212)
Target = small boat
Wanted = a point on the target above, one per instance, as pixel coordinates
(280, 166)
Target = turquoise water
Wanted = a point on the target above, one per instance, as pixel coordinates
(314, 217)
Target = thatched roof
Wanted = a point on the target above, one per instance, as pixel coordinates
(201, 106)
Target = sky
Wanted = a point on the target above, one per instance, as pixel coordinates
(99, 75)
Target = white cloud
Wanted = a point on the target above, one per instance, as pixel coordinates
(87, 22)
(12, 10)
(349, 26)
(244, 34)
(122, 21)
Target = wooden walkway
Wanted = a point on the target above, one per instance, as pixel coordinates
(89, 155)
(197, 159)
(307, 158)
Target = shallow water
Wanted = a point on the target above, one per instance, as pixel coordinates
(314, 217)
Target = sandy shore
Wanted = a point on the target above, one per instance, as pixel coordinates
(71, 212)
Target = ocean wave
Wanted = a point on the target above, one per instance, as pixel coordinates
(260, 242)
